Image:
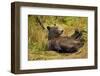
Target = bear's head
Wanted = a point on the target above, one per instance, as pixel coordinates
(54, 32)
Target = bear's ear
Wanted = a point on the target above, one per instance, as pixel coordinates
(54, 24)
(48, 27)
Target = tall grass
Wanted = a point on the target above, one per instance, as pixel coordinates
(38, 41)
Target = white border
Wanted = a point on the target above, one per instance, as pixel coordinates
(25, 64)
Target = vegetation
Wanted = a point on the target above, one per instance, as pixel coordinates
(38, 36)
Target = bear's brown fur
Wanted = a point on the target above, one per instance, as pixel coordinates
(64, 44)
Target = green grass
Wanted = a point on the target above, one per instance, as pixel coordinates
(38, 41)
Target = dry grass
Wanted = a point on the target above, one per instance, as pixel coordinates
(37, 37)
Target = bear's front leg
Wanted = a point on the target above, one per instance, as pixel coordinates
(57, 47)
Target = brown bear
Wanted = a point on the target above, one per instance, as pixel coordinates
(64, 44)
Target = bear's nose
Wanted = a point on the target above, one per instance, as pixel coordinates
(61, 30)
